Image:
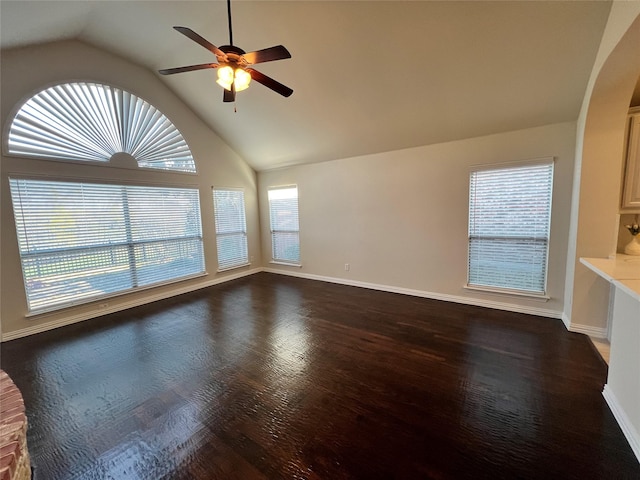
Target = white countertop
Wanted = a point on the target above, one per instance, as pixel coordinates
(622, 270)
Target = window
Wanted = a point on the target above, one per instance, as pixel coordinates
(509, 218)
(285, 235)
(82, 241)
(92, 122)
(231, 228)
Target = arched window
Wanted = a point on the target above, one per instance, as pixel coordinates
(93, 122)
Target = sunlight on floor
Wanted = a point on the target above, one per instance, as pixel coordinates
(602, 345)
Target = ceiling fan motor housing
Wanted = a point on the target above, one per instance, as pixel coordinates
(234, 56)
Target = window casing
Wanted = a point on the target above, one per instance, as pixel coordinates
(231, 228)
(509, 227)
(82, 241)
(285, 229)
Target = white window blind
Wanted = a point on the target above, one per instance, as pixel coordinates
(285, 230)
(509, 222)
(231, 228)
(92, 122)
(82, 241)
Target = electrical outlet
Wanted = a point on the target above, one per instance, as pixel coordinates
(346, 267)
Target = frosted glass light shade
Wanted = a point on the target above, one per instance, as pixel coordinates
(228, 75)
(242, 80)
(225, 77)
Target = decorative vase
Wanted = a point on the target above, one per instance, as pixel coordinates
(633, 247)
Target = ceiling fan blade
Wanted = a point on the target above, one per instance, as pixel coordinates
(270, 82)
(190, 68)
(202, 41)
(267, 55)
(229, 95)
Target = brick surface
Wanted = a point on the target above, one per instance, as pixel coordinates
(14, 457)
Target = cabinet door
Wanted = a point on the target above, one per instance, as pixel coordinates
(631, 188)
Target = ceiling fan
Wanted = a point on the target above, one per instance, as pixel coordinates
(234, 71)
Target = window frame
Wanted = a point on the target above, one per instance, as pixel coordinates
(274, 232)
(130, 244)
(243, 233)
(542, 294)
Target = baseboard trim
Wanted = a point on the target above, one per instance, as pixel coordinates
(542, 312)
(71, 319)
(595, 332)
(623, 420)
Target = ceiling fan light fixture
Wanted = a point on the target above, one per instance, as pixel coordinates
(234, 64)
(228, 75)
(225, 77)
(242, 79)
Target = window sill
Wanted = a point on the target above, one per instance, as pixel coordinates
(504, 291)
(288, 264)
(226, 269)
(101, 298)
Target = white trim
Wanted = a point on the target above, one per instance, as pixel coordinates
(286, 264)
(619, 414)
(474, 215)
(542, 312)
(595, 332)
(623, 420)
(513, 164)
(107, 181)
(281, 187)
(372, 286)
(235, 189)
(90, 163)
(101, 298)
(226, 269)
(506, 291)
(612, 299)
(23, 332)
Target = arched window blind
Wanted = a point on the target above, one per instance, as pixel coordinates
(82, 241)
(509, 226)
(231, 228)
(92, 122)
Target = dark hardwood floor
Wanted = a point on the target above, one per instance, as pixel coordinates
(276, 377)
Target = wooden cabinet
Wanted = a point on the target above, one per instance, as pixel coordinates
(631, 180)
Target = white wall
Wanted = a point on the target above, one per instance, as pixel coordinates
(599, 163)
(26, 71)
(400, 218)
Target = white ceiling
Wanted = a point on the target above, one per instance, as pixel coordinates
(368, 76)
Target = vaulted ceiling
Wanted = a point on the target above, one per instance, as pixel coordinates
(368, 76)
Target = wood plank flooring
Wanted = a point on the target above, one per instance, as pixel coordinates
(274, 377)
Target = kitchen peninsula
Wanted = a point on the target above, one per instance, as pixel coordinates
(622, 390)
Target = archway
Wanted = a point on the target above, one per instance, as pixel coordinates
(600, 177)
